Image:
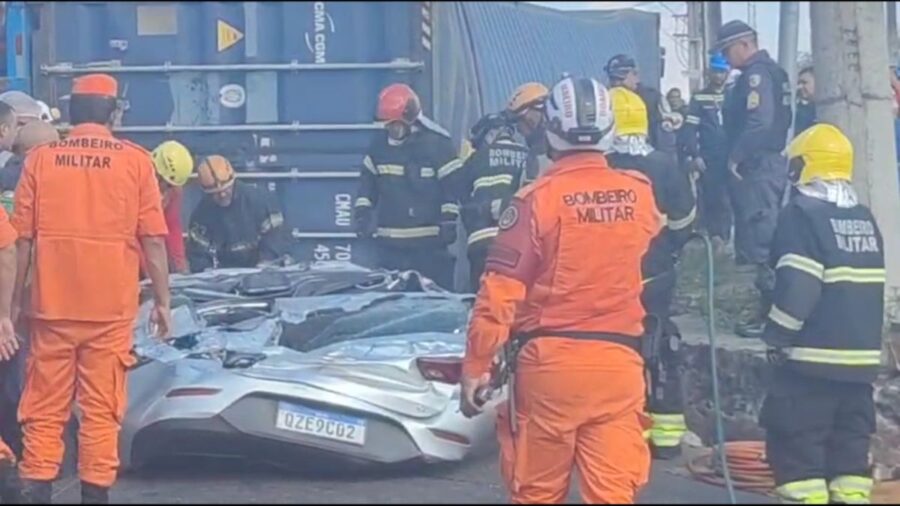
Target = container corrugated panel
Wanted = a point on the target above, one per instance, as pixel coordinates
(255, 82)
(513, 43)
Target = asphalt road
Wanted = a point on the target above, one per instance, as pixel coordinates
(474, 481)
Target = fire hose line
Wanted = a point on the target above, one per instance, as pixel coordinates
(746, 462)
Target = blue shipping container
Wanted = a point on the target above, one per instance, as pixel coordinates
(287, 90)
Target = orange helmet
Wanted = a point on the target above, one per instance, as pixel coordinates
(398, 102)
(215, 174)
(526, 96)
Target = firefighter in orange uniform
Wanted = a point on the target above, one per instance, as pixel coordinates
(85, 207)
(563, 278)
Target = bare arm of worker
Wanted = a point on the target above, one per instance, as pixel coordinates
(152, 232)
(511, 267)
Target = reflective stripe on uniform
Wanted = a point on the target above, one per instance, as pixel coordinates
(801, 263)
(851, 489)
(485, 233)
(274, 221)
(449, 209)
(692, 120)
(484, 182)
(367, 163)
(835, 357)
(427, 172)
(363, 202)
(853, 275)
(407, 233)
(449, 168)
(241, 246)
(813, 491)
(199, 238)
(785, 320)
(391, 170)
(667, 430)
(683, 223)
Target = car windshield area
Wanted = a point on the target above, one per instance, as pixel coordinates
(385, 317)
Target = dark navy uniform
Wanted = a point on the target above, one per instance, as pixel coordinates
(249, 231)
(404, 203)
(757, 118)
(703, 136)
(826, 325)
(487, 181)
(805, 116)
(675, 199)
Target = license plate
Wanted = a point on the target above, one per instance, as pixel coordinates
(313, 422)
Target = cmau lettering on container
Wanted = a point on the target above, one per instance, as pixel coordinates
(604, 206)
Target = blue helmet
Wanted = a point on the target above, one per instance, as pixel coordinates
(718, 63)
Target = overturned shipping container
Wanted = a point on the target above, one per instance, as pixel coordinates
(287, 90)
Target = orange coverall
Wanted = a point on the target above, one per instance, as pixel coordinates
(84, 202)
(7, 238)
(568, 259)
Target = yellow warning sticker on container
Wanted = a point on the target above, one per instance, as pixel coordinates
(227, 35)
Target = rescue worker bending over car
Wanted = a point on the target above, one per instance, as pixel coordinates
(757, 118)
(490, 176)
(824, 328)
(525, 108)
(674, 197)
(563, 282)
(87, 204)
(403, 198)
(174, 165)
(235, 224)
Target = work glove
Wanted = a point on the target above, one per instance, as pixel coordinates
(776, 355)
(496, 209)
(698, 165)
(447, 232)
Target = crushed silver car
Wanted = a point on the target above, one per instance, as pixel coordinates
(330, 360)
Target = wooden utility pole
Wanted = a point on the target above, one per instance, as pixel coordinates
(695, 45)
(712, 21)
(853, 92)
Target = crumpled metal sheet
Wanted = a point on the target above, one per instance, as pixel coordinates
(260, 335)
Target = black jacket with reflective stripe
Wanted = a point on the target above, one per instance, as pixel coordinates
(249, 231)
(485, 184)
(402, 197)
(703, 133)
(675, 199)
(828, 302)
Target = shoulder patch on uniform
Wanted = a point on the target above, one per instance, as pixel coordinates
(754, 80)
(752, 100)
(509, 218)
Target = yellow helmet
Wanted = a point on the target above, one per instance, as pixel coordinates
(526, 96)
(823, 152)
(173, 162)
(630, 112)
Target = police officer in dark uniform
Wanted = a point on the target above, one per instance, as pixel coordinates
(622, 70)
(824, 329)
(675, 198)
(403, 179)
(705, 147)
(757, 119)
(499, 165)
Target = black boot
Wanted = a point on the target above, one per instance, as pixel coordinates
(37, 492)
(94, 494)
(10, 488)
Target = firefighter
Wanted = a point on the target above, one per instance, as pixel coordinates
(495, 170)
(824, 328)
(622, 71)
(525, 107)
(706, 151)
(87, 205)
(174, 165)
(757, 117)
(235, 224)
(674, 197)
(405, 178)
(577, 389)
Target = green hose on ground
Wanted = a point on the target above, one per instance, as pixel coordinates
(713, 365)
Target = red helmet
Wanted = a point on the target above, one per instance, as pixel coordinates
(398, 102)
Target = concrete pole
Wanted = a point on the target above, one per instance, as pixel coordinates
(788, 33)
(695, 45)
(893, 45)
(853, 92)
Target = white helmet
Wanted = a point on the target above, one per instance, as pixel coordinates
(579, 116)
